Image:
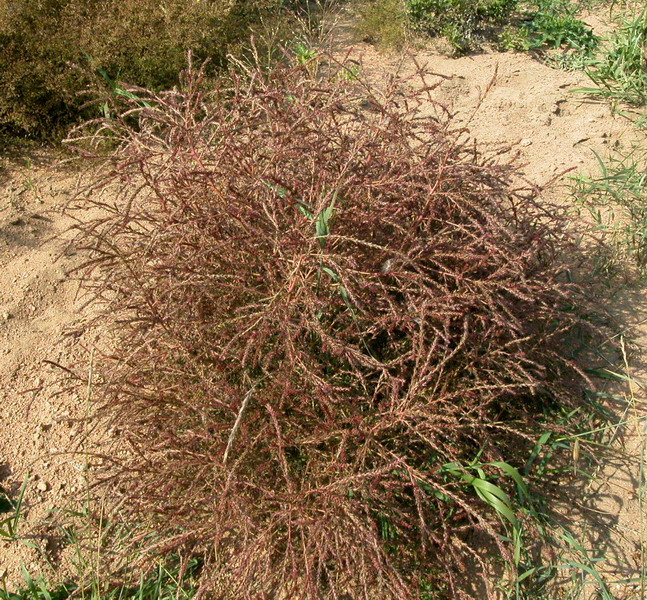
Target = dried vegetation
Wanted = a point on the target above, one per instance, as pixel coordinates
(324, 305)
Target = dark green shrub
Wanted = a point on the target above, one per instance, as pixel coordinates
(460, 21)
(332, 322)
(143, 42)
(510, 24)
(554, 23)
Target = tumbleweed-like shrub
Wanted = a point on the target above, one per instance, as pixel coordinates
(324, 304)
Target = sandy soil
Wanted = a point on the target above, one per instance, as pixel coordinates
(41, 317)
(41, 326)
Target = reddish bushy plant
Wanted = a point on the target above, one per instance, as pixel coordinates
(320, 295)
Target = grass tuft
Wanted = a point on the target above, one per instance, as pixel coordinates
(616, 199)
(621, 72)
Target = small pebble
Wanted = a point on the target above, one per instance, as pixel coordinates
(42, 486)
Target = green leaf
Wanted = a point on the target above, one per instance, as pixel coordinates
(332, 274)
(541, 442)
(284, 194)
(527, 574)
(322, 224)
(495, 497)
(513, 472)
(604, 590)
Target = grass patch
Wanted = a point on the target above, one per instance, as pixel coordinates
(621, 73)
(98, 557)
(166, 582)
(616, 199)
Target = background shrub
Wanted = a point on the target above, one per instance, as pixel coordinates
(518, 25)
(333, 322)
(460, 21)
(383, 22)
(143, 42)
(555, 24)
(552, 24)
